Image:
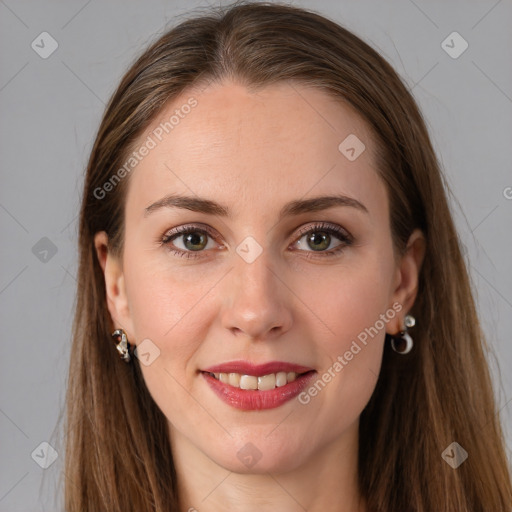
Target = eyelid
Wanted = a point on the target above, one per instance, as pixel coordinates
(316, 226)
(327, 226)
(189, 227)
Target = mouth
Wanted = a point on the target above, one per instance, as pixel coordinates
(253, 387)
(253, 382)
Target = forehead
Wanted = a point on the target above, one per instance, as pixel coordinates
(247, 148)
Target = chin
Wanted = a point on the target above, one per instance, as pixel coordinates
(258, 457)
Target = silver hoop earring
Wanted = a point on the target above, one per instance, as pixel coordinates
(402, 343)
(122, 345)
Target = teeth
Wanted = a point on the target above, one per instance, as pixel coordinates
(267, 382)
(281, 379)
(263, 383)
(248, 382)
(234, 380)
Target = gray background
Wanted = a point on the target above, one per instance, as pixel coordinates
(51, 109)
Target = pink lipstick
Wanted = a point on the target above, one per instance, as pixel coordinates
(247, 386)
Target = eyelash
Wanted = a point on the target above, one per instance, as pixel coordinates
(331, 229)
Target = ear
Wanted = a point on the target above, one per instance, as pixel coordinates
(407, 277)
(117, 301)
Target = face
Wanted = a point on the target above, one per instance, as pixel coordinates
(308, 290)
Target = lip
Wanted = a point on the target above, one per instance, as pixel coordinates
(252, 400)
(258, 370)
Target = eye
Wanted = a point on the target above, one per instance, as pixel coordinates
(319, 237)
(193, 239)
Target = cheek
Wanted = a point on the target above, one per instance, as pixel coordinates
(348, 299)
(157, 299)
(164, 302)
(354, 307)
(165, 307)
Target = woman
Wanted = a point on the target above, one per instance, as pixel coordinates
(273, 310)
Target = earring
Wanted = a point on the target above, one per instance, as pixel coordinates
(122, 345)
(402, 342)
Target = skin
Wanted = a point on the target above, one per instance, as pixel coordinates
(253, 152)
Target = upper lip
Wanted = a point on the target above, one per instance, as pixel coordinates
(258, 370)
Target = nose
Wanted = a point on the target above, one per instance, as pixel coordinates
(257, 300)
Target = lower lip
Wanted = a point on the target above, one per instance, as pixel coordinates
(250, 400)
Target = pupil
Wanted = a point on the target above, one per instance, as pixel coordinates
(319, 239)
(195, 239)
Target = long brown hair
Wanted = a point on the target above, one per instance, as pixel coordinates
(118, 455)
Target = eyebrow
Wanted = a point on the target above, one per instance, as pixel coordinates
(296, 207)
